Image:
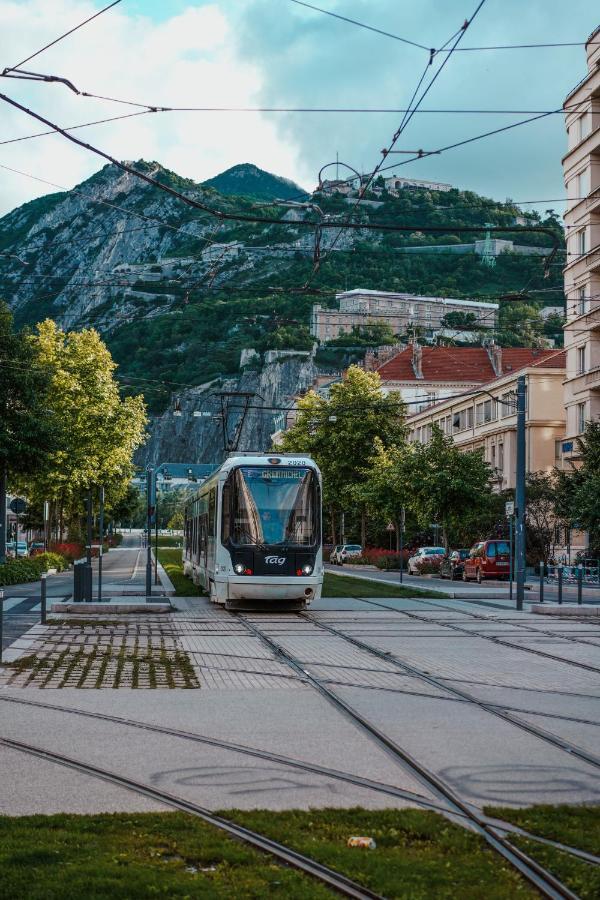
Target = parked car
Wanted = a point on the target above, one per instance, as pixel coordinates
(36, 548)
(423, 556)
(487, 559)
(452, 565)
(343, 552)
(16, 548)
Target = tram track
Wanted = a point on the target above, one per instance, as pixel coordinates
(560, 743)
(286, 855)
(457, 809)
(486, 637)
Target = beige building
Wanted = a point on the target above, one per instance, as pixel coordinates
(581, 166)
(425, 375)
(362, 306)
(486, 419)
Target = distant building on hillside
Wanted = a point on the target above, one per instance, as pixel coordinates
(361, 307)
(398, 183)
(426, 375)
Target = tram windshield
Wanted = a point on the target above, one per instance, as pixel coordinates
(268, 505)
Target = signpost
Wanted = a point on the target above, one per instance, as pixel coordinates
(509, 508)
(402, 522)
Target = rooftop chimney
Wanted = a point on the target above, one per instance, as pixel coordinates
(417, 360)
(495, 355)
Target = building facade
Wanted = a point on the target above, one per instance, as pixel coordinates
(581, 167)
(425, 375)
(399, 311)
(487, 420)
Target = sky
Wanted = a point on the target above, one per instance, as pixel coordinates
(279, 53)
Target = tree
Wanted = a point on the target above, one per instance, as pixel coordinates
(540, 515)
(578, 492)
(444, 482)
(340, 433)
(27, 429)
(385, 491)
(97, 430)
(459, 319)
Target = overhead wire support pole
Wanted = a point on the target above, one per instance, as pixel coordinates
(520, 494)
(150, 501)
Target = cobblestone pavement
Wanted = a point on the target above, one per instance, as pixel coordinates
(101, 654)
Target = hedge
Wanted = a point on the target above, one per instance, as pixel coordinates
(16, 571)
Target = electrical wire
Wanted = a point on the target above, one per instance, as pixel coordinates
(60, 38)
(28, 137)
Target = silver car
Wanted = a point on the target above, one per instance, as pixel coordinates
(344, 552)
(423, 555)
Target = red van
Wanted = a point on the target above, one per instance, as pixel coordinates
(487, 559)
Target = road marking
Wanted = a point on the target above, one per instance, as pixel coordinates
(137, 562)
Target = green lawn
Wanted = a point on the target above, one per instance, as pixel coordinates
(335, 585)
(169, 540)
(134, 856)
(170, 559)
(577, 826)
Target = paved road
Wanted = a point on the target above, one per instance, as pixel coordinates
(492, 590)
(250, 697)
(122, 571)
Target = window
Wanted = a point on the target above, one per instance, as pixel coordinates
(470, 417)
(583, 183)
(581, 417)
(493, 456)
(581, 307)
(501, 457)
(582, 242)
(581, 360)
(506, 405)
(557, 450)
(479, 414)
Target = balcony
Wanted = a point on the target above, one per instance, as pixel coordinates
(592, 379)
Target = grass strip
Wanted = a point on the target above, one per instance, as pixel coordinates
(419, 855)
(577, 826)
(335, 585)
(170, 560)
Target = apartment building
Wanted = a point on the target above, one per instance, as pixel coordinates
(581, 167)
(486, 418)
(425, 375)
(398, 310)
(398, 183)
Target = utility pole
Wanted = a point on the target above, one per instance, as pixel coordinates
(520, 494)
(101, 530)
(151, 512)
(2, 515)
(88, 549)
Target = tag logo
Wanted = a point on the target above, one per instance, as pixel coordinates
(275, 560)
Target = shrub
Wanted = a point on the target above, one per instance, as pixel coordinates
(115, 539)
(71, 550)
(383, 559)
(16, 571)
(430, 566)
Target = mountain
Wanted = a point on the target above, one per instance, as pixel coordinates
(248, 180)
(178, 292)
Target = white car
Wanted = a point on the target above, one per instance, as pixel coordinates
(344, 552)
(425, 554)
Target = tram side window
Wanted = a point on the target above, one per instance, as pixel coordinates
(226, 511)
(212, 511)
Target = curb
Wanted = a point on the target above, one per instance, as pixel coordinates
(110, 608)
(544, 609)
(167, 584)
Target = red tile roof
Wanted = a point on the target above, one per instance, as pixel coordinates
(469, 365)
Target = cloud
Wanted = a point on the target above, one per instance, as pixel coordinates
(275, 53)
(188, 59)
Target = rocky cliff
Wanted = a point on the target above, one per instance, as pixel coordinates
(202, 438)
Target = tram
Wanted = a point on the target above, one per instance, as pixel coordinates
(252, 534)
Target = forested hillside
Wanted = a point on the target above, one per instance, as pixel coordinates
(177, 292)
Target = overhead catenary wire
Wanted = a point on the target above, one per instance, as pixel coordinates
(60, 37)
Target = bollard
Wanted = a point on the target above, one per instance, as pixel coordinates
(87, 583)
(579, 585)
(43, 590)
(542, 582)
(1, 622)
(560, 581)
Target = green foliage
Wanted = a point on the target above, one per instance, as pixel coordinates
(340, 432)
(27, 430)
(97, 431)
(29, 568)
(444, 482)
(578, 492)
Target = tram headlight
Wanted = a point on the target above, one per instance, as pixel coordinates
(239, 568)
(307, 569)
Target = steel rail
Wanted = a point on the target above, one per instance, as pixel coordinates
(286, 855)
(536, 874)
(556, 741)
(313, 768)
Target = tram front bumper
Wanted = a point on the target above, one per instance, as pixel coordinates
(250, 587)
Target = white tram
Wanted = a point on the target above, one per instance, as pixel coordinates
(253, 532)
